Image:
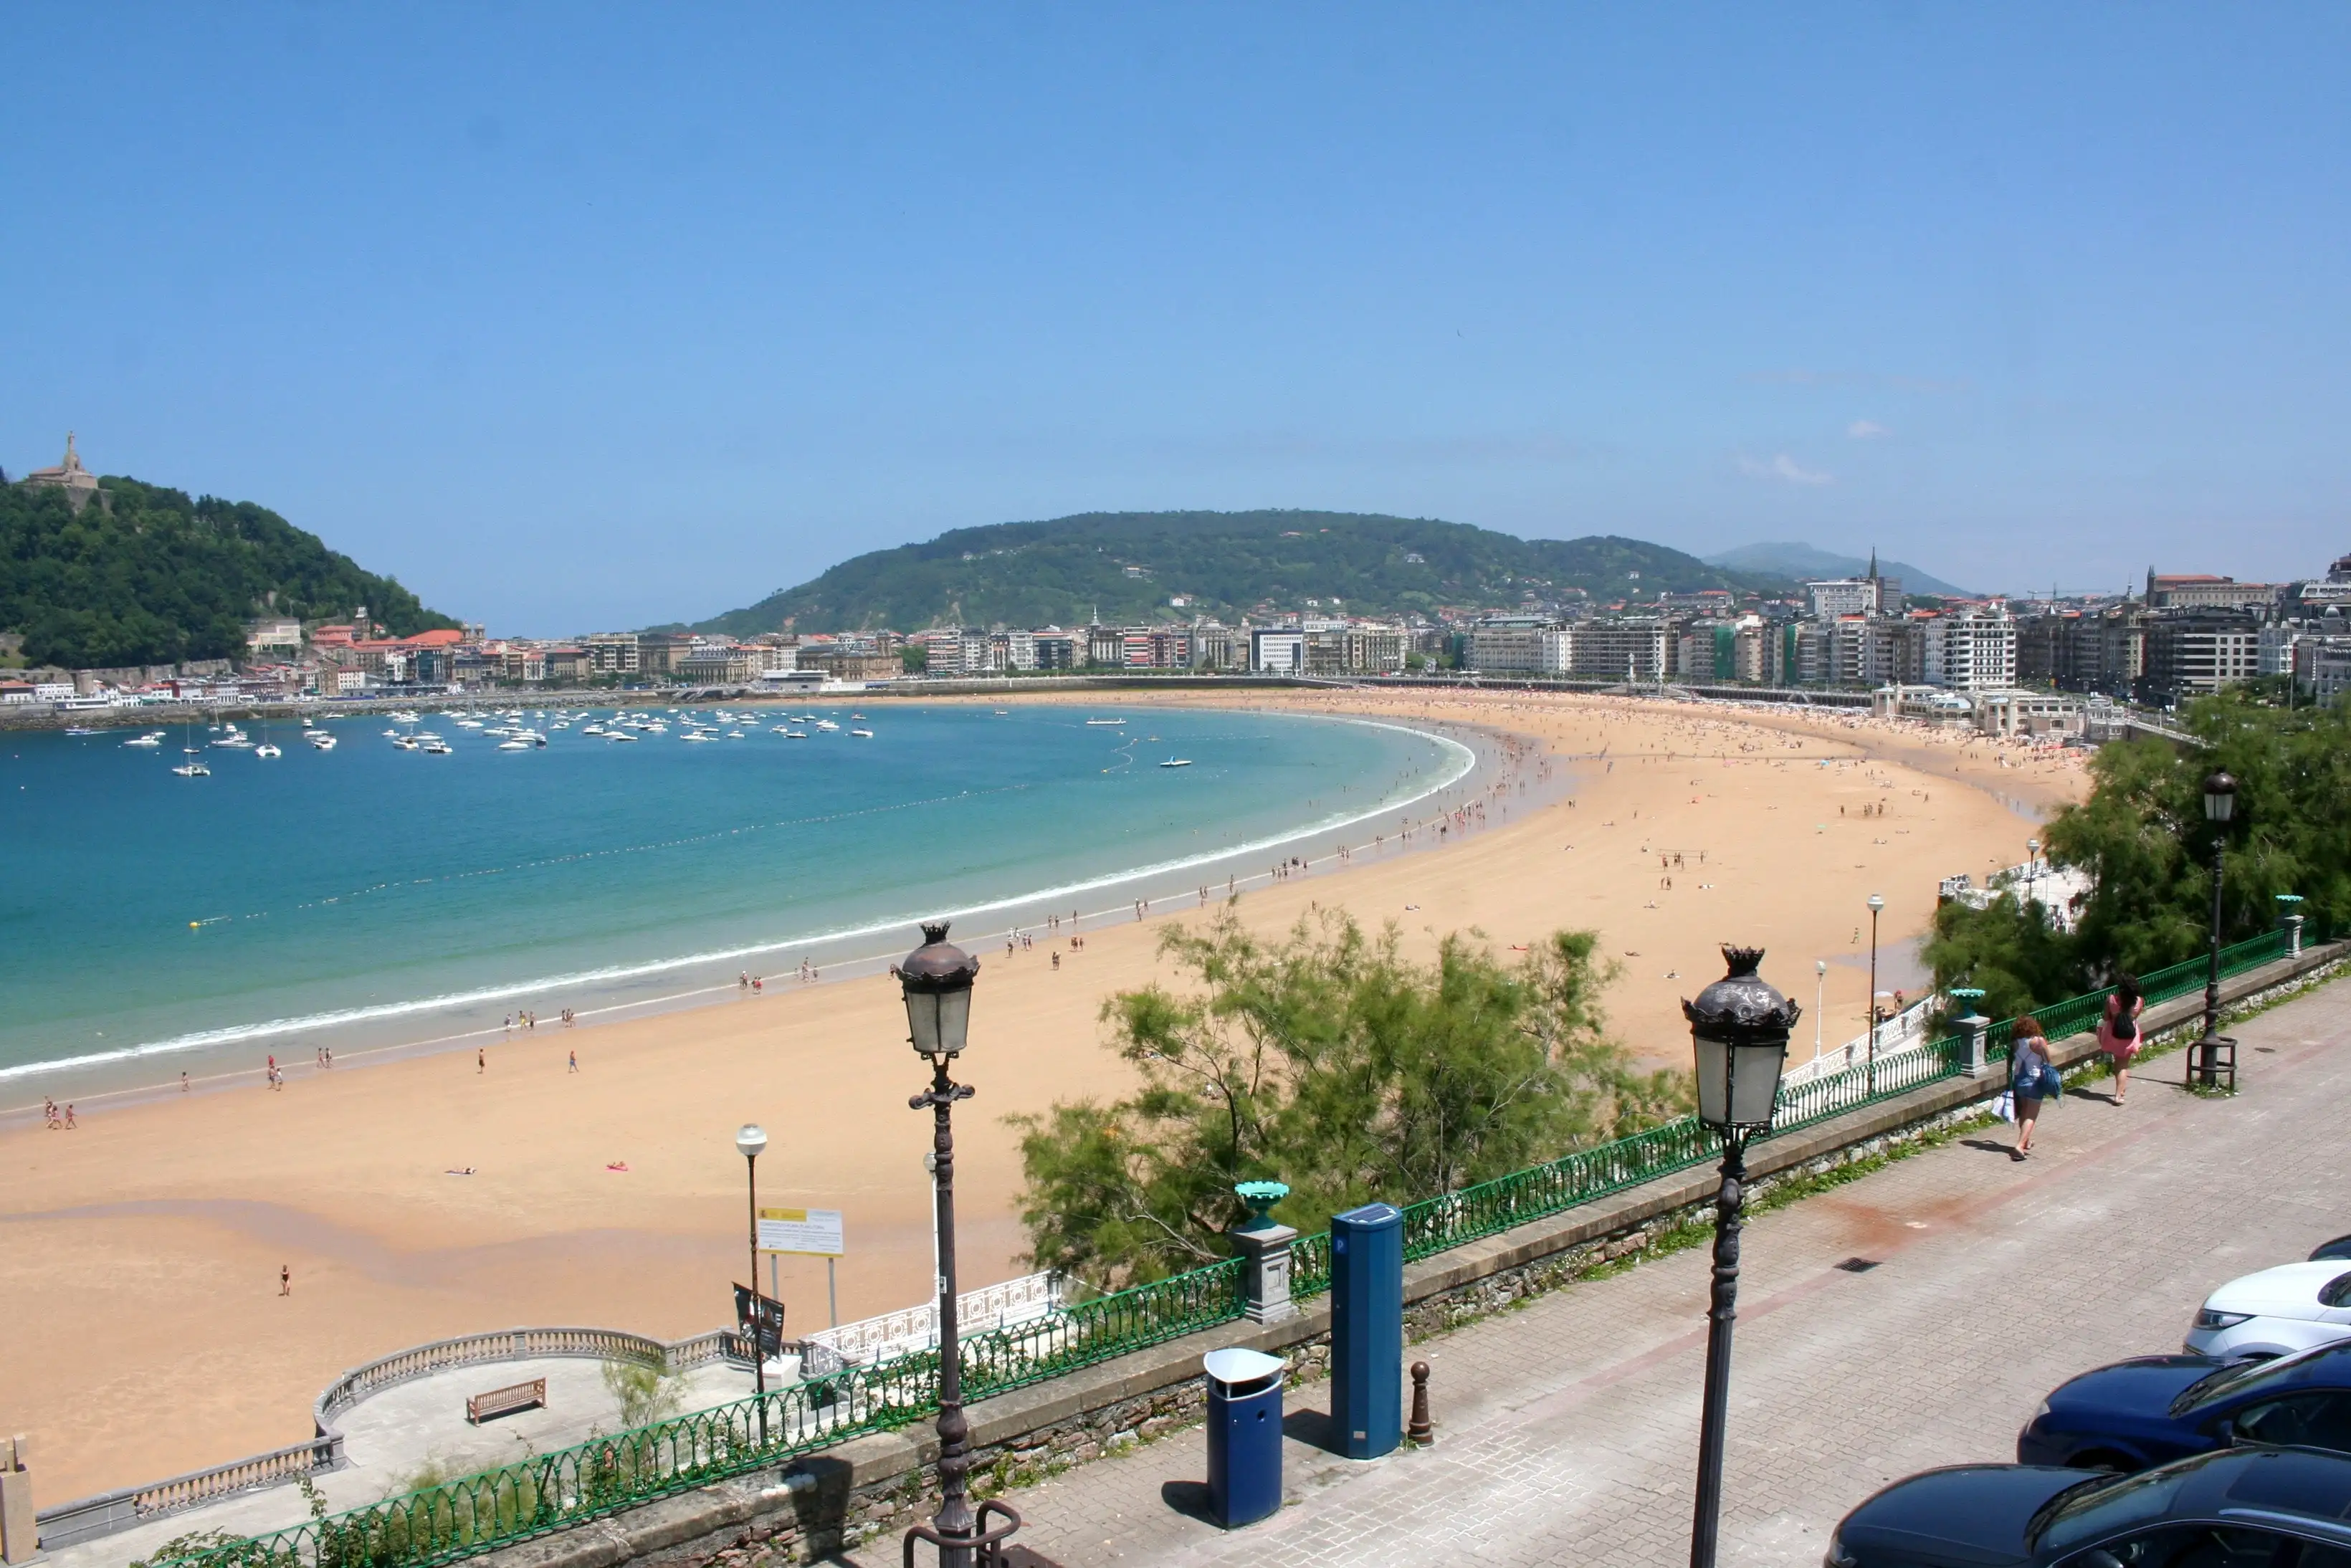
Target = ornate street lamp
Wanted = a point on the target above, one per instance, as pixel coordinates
(936, 978)
(1739, 1026)
(2219, 806)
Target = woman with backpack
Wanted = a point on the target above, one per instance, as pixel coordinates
(2118, 1032)
(2032, 1078)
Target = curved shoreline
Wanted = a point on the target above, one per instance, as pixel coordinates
(847, 952)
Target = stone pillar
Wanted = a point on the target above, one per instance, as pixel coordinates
(1265, 1272)
(1972, 1030)
(19, 1536)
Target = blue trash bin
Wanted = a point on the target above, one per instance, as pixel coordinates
(1367, 1329)
(1244, 1435)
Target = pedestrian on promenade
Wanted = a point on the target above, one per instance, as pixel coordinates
(2030, 1078)
(2118, 1033)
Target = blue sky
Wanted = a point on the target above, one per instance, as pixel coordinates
(591, 316)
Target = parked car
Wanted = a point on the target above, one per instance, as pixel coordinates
(2289, 1308)
(2338, 1248)
(2158, 1408)
(2234, 1508)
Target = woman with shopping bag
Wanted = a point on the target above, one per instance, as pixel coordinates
(2032, 1078)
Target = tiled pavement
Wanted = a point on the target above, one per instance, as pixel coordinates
(1567, 1430)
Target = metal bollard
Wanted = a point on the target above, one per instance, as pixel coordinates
(1419, 1433)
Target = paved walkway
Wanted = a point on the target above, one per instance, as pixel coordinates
(1567, 1430)
(391, 1437)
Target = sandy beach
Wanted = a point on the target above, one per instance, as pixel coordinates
(147, 1334)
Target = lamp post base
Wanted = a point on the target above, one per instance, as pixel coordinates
(2212, 1063)
(984, 1548)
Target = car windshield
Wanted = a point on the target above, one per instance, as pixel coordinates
(2092, 1510)
(2245, 1377)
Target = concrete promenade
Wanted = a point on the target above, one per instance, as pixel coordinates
(417, 1426)
(1568, 1430)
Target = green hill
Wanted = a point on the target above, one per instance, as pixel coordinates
(1129, 564)
(162, 578)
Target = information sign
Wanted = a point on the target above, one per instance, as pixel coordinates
(813, 1232)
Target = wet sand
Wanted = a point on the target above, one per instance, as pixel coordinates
(139, 1255)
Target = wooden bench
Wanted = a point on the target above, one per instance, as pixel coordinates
(531, 1396)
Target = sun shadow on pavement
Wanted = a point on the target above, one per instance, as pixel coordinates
(1314, 1428)
(1189, 1498)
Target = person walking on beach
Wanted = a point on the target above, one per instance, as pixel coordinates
(575, 1062)
(2118, 1033)
(2031, 1080)
(69, 1121)
(480, 1059)
(285, 1279)
(183, 1084)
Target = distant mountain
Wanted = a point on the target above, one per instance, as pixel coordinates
(143, 575)
(1802, 561)
(1130, 566)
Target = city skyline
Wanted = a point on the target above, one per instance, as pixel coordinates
(498, 306)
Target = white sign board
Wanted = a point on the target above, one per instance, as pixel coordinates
(812, 1231)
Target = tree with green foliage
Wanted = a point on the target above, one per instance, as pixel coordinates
(1328, 1061)
(152, 577)
(2142, 836)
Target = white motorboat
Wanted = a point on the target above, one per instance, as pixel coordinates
(405, 743)
(436, 746)
(1092, 722)
(1177, 762)
(863, 734)
(193, 771)
(620, 735)
(796, 734)
(826, 723)
(236, 740)
(698, 734)
(319, 738)
(514, 745)
(80, 729)
(153, 737)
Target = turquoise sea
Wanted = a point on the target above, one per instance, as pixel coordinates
(370, 896)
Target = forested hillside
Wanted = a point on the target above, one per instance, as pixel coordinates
(163, 578)
(1129, 566)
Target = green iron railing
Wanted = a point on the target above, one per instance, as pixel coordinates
(478, 1513)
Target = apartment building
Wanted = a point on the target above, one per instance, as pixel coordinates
(1970, 650)
(2196, 652)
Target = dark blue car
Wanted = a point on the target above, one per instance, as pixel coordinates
(2236, 1508)
(2157, 1408)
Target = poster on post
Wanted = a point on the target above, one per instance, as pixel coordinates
(805, 1232)
(761, 1319)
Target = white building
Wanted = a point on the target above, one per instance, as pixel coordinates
(1278, 651)
(1518, 650)
(2027, 712)
(1838, 596)
(1971, 651)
